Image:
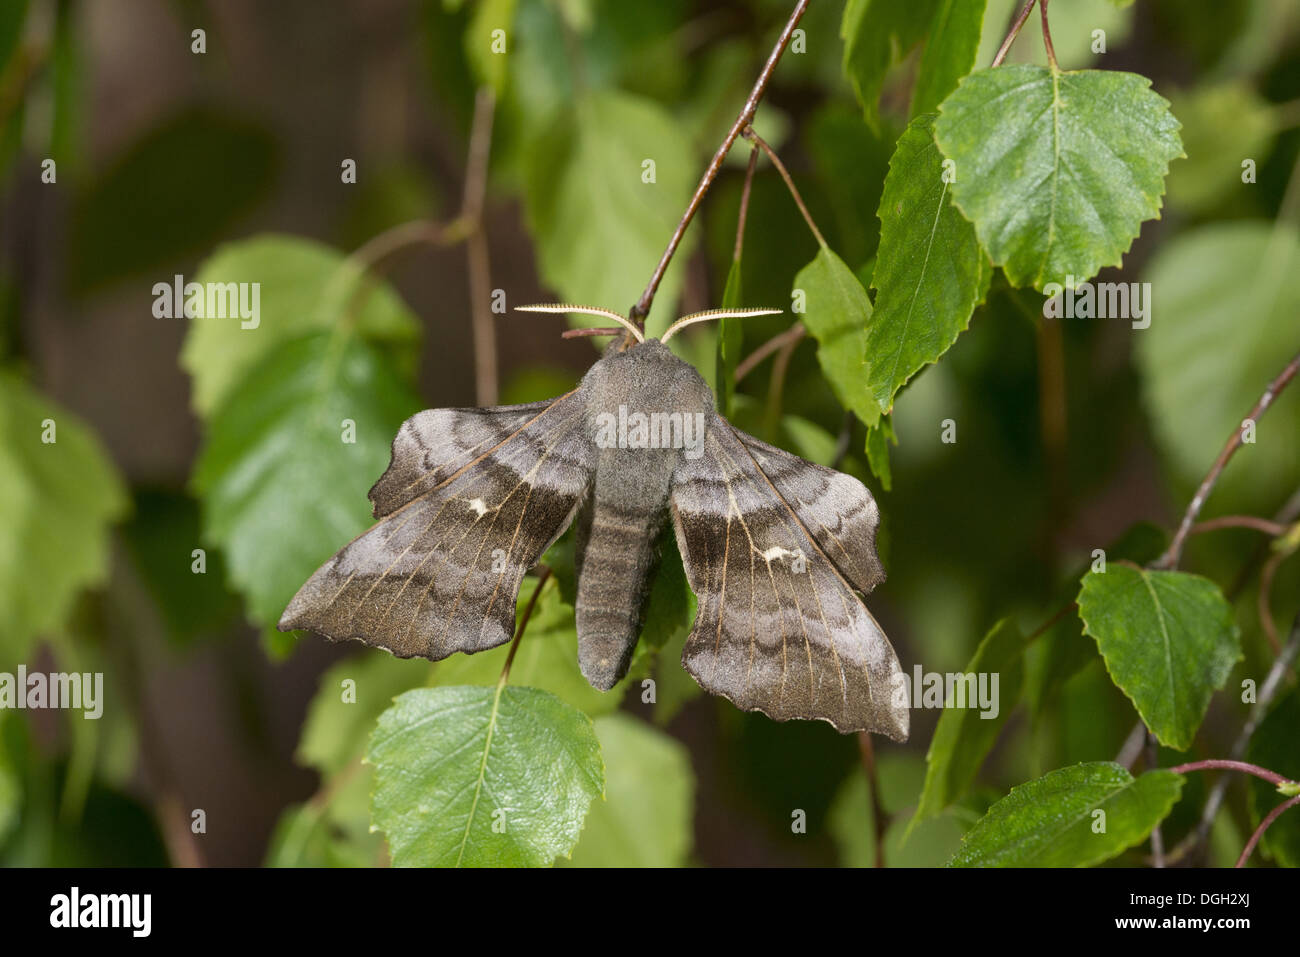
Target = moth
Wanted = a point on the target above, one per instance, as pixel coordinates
(777, 550)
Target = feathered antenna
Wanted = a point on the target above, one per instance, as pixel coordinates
(708, 314)
(564, 308)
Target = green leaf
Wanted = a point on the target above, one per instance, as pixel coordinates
(57, 501)
(483, 777)
(1053, 821)
(147, 210)
(836, 313)
(731, 340)
(600, 229)
(282, 488)
(965, 735)
(1168, 639)
(930, 272)
(646, 817)
(1203, 374)
(1057, 170)
(547, 657)
(879, 438)
(490, 66)
(949, 52)
(1273, 746)
(877, 34)
(304, 287)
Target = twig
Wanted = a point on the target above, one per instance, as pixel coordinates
(1219, 764)
(1267, 691)
(1019, 22)
(523, 622)
(776, 343)
(642, 307)
(1047, 37)
(1131, 749)
(758, 141)
(480, 269)
(881, 822)
(1174, 553)
(1275, 529)
(1153, 762)
(1273, 815)
(1264, 599)
(744, 204)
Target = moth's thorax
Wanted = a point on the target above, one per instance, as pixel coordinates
(646, 410)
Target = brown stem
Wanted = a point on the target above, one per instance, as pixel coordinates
(744, 204)
(523, 622)
(1019, 22)
(642, 307)
(868, 754)
(1174, 553)
(775, 344)
(1047, 37)
(1275, 529)
(758, 141)
(482, 325)
(1220, 764)
(1267, 691)
(1273, 815)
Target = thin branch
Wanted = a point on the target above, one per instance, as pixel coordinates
(758, 141)
(881, 822)
(1153, 762)
(1131, 749)
(1047, 37)
(775, 344)
(1019, 22)
(642, 307)
(1273, 815)
(480, 269)
(1219, 764)
(744, 203)
(1174, 553)
(1267, 691)
(523, 622)
(1274, 529)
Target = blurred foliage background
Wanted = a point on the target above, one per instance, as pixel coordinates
(226, 164)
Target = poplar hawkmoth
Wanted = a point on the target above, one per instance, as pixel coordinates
(776, 549)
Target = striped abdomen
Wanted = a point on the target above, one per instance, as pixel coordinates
(616, 558)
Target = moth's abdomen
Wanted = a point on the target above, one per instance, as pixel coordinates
(618, 554)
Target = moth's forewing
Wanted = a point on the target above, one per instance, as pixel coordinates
(470, 501)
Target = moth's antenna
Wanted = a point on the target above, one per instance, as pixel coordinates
(565, 307)
(708, 314)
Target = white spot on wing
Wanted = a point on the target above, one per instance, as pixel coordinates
(477, 505)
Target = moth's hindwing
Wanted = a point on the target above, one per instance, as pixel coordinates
(470, 501)
(774, 547)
